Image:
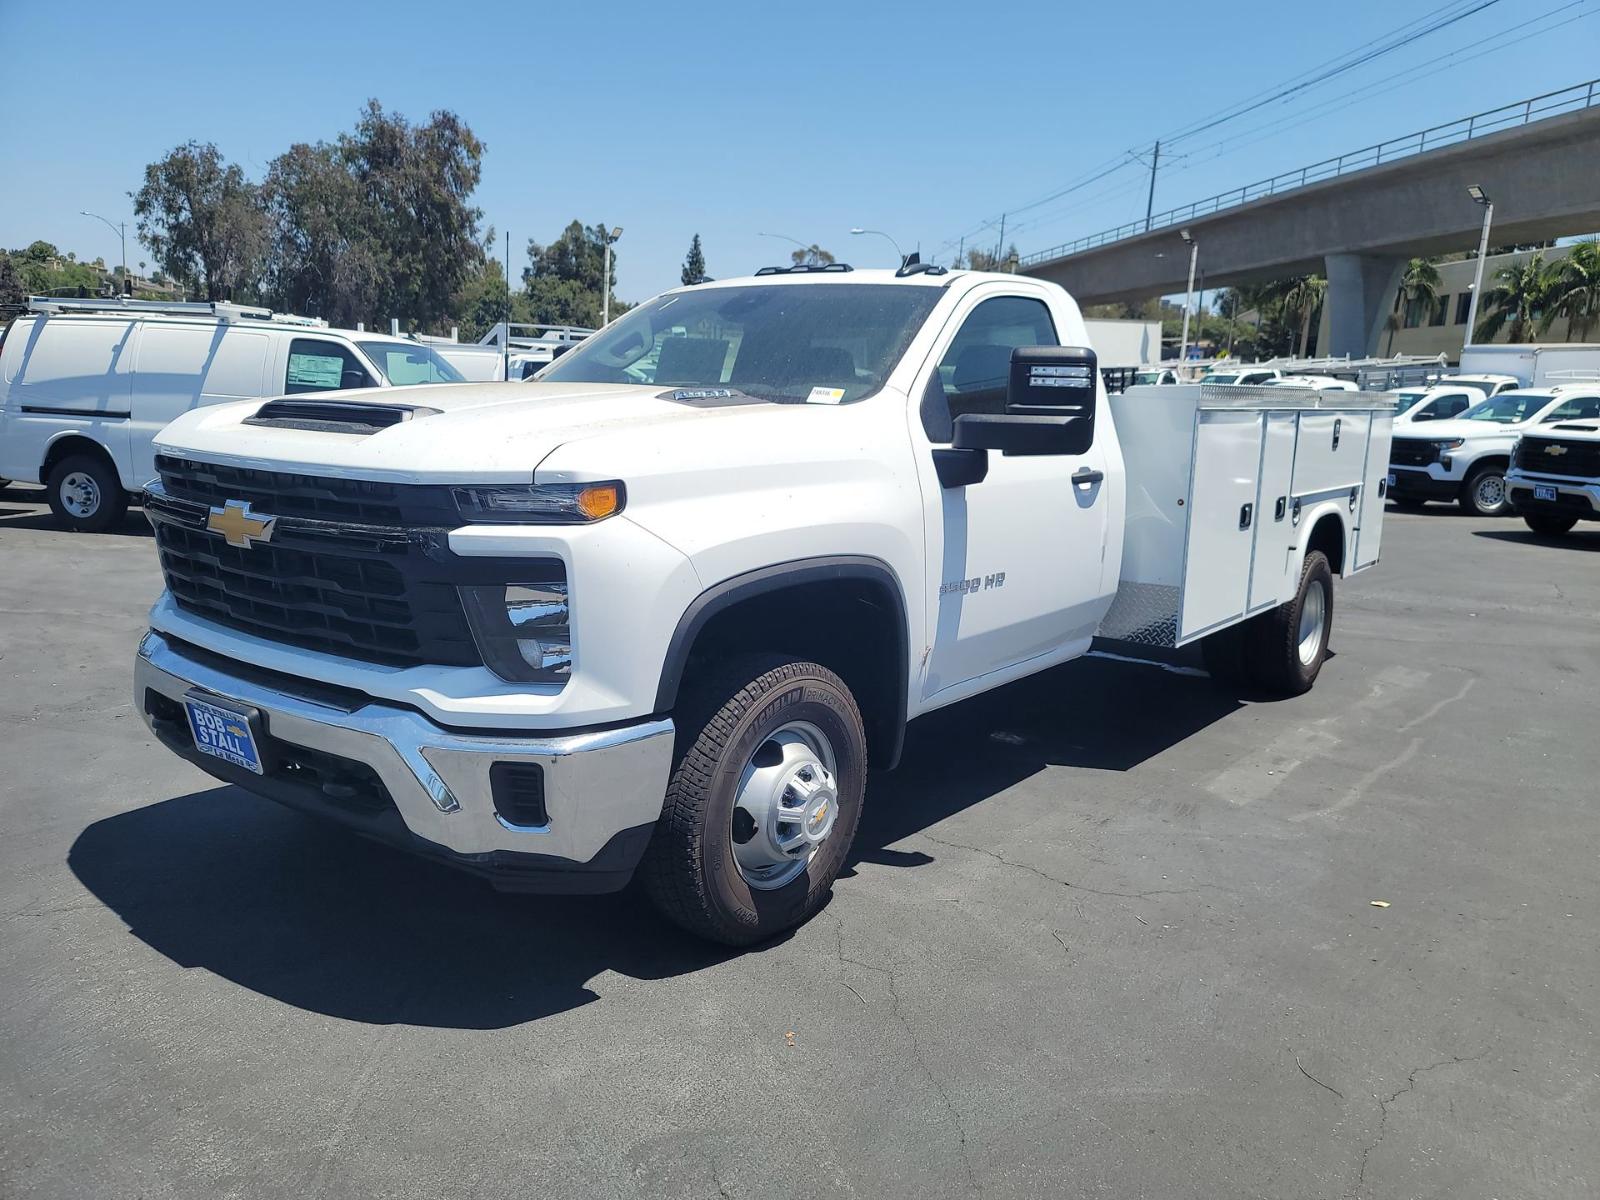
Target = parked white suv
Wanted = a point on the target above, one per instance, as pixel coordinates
(85, 385)
(1466, 459)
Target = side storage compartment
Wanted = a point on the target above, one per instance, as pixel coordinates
(1275, 531)
(1369, 518)
(1331, 452)
(1222, 518)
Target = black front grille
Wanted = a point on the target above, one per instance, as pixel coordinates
(1412, 452)
(289, 494)
(362, 605)
(1559, 456)
(356, 568)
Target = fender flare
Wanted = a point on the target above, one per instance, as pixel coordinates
(765, 580)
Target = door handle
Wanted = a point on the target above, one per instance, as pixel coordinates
(1245, 513)
(1086, 475)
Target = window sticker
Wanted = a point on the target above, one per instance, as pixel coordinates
(825, 395)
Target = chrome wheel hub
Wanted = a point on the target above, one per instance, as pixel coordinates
(1313, 616)
(1490, 492)
(80, 494)
(786, 806)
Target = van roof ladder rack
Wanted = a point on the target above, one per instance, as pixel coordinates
(220, 309)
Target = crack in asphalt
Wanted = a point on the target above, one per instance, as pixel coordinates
(1383, 1111)
(916, 1048)
(1067, 883)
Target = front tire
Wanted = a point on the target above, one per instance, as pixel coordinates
(1548, 524)
(763, 803)
(1287, 646)
(85, 494)
(1484, 494)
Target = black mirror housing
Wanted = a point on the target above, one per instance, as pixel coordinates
(1050, 405)
(1023, 434)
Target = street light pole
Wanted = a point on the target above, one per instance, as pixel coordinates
(880, 233)
(1188, 295)
(121, 230)
(1478, 196)
(605, 281)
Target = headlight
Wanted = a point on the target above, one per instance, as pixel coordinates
(523, 630)
(1452, 444)
(542, 504)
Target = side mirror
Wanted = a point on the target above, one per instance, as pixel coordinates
(1021, 434)
(1050, 405)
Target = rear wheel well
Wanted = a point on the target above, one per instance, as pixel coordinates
(853, 626)
(1327, 535)
(66, 447)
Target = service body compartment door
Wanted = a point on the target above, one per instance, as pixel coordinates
(1369, 527)
(1269, 569)
(1331, 451)
(1222, 518)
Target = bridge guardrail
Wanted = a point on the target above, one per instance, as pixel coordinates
(1572, 99)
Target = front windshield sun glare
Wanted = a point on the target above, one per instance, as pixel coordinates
(788, 343)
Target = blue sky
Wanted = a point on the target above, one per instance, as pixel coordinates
(924, 119)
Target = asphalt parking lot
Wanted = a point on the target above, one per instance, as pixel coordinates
(1108, 933)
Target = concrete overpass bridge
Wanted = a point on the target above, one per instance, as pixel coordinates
(1358, 218)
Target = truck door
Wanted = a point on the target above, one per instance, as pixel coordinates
(1016, 561)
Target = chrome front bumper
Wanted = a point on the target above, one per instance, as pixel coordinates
(598, 786)
(1575, 497)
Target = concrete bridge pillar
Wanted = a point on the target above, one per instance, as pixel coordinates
(1361, 289)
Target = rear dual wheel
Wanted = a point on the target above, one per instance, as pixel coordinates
(1281, 651)
(763, 802)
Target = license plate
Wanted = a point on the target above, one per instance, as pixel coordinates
(1543, 492)
(223, 733)
(1390, 479)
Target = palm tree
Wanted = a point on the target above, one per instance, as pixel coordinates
(1420, 286)
(1303, 298)
(1572, 290)
(1515, 298)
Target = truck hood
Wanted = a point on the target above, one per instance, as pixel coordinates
(477, 433)
(1443, 431)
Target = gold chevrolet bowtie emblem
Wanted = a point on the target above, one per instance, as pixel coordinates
(1556, 451)
(239, 526)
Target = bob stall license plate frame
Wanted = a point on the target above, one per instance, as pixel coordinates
(225, 730)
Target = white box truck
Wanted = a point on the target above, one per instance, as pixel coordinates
(661, 608)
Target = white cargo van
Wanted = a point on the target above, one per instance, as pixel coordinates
(85, 385)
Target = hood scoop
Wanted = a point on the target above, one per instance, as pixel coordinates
(335, 416)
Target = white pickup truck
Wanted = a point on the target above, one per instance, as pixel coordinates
(663, 606)
(1465, 458)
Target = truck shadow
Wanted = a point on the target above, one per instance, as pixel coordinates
(1093, 714)
(24, 507)
(1579, 539)
(320, 919)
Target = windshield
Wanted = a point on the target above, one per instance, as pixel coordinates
(403, 363)
(784, 342)
(1406, 401)
(1508, 408)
